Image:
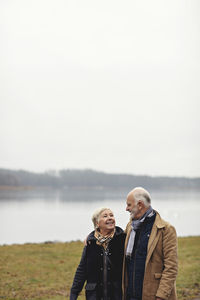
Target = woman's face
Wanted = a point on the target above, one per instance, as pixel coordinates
(106, 222)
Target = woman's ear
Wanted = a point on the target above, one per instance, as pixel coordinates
(97, 225)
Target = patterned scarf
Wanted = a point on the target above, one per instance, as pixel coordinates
(103, 240)
(136, 224)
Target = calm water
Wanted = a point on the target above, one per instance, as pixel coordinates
(38, 216)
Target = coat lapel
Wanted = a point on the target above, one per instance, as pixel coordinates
(154, 236)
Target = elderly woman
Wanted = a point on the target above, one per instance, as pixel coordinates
(101, 262)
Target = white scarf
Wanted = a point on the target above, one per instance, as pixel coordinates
(136, 224)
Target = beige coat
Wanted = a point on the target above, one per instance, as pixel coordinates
(161, 265)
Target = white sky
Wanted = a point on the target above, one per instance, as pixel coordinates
(109, 85)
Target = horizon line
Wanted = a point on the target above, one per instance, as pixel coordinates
(97, 171)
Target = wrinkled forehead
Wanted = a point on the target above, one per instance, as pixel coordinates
(130, 199)
(107, 212)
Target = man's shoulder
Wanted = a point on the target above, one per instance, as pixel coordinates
(161, 223)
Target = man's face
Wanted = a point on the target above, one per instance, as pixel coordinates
(132, 206)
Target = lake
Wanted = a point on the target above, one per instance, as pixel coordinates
(65, 215)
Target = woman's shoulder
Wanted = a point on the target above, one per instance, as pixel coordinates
(119, 237)
(119, 233)
(90, 237)
(119, 230)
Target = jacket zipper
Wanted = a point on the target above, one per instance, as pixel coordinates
(105, 274)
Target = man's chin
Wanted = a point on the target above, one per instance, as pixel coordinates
(133, 215)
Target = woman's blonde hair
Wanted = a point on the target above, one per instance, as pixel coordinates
(96, 215)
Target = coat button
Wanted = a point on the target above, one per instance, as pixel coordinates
(101, 254)
(101, 269)
(108, 269)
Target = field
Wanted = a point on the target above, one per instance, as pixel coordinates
(45, 271)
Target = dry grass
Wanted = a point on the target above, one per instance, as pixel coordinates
(45, 271)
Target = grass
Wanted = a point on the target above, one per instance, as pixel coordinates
(45, 271)
(188, 281)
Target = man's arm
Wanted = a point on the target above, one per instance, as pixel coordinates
(170, 263)
(79, 278)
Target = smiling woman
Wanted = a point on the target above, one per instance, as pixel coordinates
(103, 220)
(101, 262)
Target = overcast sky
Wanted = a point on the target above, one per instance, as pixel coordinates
(108, 85)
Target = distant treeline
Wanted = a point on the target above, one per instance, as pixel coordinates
(87, 178)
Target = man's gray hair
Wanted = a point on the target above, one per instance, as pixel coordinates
(143, 195)
(96, 215)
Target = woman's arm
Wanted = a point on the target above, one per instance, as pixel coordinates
(79, 278)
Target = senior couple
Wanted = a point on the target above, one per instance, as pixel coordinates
(139, 263)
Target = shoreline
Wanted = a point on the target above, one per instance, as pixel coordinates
(92, 188)
(72, 241)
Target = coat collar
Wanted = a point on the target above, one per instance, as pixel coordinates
(159, 222)
(118, 231)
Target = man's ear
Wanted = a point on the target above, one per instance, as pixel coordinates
(140, 204)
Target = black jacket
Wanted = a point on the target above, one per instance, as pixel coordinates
(102, 270)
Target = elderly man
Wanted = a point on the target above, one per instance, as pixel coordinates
(150, 261)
